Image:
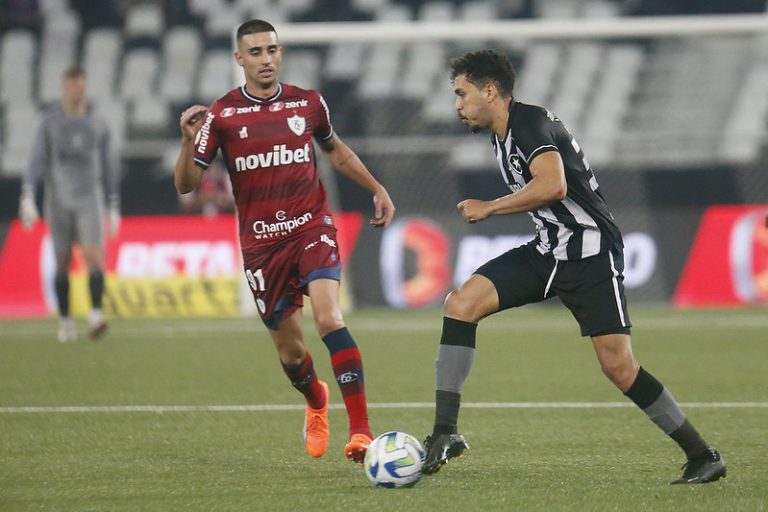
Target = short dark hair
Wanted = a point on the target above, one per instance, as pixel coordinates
(74, 71)
(482, 67)
(254, 27)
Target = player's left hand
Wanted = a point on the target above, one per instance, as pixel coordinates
(384, 209)
(114, 219)
(473, 210)
(28, 212)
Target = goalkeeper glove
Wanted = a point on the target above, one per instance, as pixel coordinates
(28, 212)
(114, 216)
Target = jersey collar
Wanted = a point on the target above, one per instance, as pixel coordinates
(511, 111)
(251, 97)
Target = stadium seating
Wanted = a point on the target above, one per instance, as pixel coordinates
(19, 127)
(57, 51)
(216, 75)
(144, 20)
(102, 53)
(181, 50)
(631, 103)
(17, 60)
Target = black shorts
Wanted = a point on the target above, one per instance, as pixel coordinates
(592, 288)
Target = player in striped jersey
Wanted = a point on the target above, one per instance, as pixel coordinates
(577, 255)
(266, 131)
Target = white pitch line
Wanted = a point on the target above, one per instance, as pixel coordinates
(161, 409)
(509, 324)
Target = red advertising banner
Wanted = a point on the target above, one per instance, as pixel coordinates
(22, 262)
(728, 262)
(157, 266)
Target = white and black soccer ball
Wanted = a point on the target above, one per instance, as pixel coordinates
(394, 459)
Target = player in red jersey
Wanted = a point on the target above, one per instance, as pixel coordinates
(265, 130)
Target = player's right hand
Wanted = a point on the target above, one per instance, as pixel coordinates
(472, 210)
(28, 213)
(191, 120)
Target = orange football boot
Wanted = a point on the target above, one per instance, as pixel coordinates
(316, 430)
(356, 447)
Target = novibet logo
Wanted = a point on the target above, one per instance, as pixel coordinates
(280, 155)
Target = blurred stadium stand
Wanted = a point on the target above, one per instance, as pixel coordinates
(633, 104)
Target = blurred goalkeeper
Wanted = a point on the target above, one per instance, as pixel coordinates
(577, 255)
(72, 152)
(267, 131)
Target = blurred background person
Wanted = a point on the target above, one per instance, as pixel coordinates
(212, 197)
(72, 153)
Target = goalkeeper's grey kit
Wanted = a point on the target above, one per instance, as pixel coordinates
(73, 155)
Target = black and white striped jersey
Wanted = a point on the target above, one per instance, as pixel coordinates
(580, 225)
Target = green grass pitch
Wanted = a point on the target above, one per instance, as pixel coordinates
(547, 430)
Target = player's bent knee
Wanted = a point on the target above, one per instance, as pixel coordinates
(326, 323)
(292, 357)
(458, 306)
(621, 374)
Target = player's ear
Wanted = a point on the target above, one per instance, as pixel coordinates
(238, 58)
(490, 91)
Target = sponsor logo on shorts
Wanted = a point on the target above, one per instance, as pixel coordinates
(263, 230)
(323, 239)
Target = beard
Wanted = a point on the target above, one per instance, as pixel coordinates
(474, 128)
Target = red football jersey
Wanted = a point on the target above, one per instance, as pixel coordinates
(269, 152)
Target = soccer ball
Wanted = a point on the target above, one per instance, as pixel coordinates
(394, 459)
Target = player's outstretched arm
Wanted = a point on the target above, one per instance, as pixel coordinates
(349, 164)
(188, 174)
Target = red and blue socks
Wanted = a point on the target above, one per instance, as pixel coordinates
(348, 368)
(304, 379)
